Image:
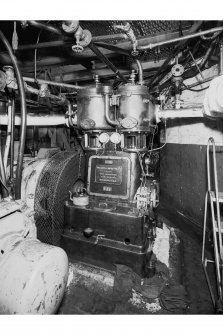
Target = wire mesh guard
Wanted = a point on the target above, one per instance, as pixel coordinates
(57, 178)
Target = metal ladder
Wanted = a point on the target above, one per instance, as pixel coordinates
(213, 199)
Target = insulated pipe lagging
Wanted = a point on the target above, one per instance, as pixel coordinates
(23, 117)
(36, 120)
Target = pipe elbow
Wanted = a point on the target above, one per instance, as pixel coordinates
(107, 116)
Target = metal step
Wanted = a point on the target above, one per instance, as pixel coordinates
(216, 227)
(220, 196)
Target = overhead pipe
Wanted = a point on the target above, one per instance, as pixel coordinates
(43, 26)
(179, 39)
(49, 95)
(105, 60)
(192, 30)
(23, 117)
(51, 44)
(53, 83)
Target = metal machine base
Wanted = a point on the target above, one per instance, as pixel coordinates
(118, 236)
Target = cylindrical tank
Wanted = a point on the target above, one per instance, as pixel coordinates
(135, 108)
(91, 108)
(33, 277)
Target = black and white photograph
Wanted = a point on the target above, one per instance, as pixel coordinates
(111, 153)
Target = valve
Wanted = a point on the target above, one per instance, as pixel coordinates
(131, 35)
(83, 39)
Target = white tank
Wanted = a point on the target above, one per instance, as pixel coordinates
(33, 277)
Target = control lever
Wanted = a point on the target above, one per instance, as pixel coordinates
(99, 237)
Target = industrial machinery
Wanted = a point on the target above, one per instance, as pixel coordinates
(110, 215)
(33, 274)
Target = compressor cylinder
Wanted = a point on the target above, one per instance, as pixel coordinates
(91, 108)
(135, 109)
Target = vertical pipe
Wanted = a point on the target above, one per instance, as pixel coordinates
(23, 116)
(221, 59)
(12, 137)
(8, 138)
(2, 172)
(140, 70)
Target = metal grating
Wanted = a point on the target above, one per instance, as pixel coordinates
(140, 27)
(56, 179)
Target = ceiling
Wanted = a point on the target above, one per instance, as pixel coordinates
(49, 55)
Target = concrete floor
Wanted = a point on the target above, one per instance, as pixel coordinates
(90, 289)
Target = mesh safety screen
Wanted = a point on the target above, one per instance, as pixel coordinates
(57, 178)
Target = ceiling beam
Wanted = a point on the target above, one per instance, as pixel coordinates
(84, 75)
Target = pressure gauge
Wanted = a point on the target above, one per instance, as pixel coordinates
(115, 138)
(104, 138)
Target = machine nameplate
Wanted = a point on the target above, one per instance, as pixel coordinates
(108, 174)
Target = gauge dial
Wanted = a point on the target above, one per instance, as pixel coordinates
(115, 138)
(104, 138)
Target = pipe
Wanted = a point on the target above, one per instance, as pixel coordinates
(36, 120)
(179, 39)
(107, 117)
(105, 60)
(179, 114)
(53, 83)
(131, 35)
(23, 117)
(45, 26)
(69, 42)
(12, 138)
(221, 59)
(8, 138)
(193, 29)
(140, 71)
(51, 96)
(2, 173)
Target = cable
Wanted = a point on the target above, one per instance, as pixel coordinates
(163, 144)
(193, 90)
(35, 52)
(4, 185)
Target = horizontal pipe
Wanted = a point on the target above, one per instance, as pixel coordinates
(53, 83)
(109, 37)
(45, 26)
(36, 120)
(51, 96)
(179, 39)
(179, 114)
